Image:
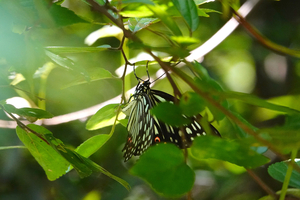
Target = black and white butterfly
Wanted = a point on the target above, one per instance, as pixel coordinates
(145, 129)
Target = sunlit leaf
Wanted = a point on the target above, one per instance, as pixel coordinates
(136, 24)
(188, 10)
(28, 112)
(138, 1)
(231, 151)
(104, 117)
(91, 145)
(183, 40)
(67, 63)
(63, 49)
(95, 75)
(163, 167)
(161, 13)
(199, 2)
(138, 11)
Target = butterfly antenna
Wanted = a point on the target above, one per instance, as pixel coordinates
(138, 78)
(147, 70)
(165, 72)
(159, 77)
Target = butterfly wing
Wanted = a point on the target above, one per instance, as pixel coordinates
(146, 130)
(140, 127)
(182, 137)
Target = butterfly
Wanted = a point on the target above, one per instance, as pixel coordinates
(145, 129)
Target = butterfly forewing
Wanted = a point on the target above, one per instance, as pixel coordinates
(140, 127)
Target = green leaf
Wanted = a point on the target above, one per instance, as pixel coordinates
(28, 112)
(191, 104)
(95, 75)
(138, 1)
(81, 164)
(64, 16)
(231, 151)
(136, 24)
(170, 114)
(199, 2)
(188, 10)
(62, 49)
(279, 169)
(286, 139)
(104, 117)
(137, 11)
(253, 100)
(163, 167)
(183, 40)
(49, 159)
(90, 146)
(67, 63)
(161, 13)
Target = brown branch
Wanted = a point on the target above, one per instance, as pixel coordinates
(262, 184)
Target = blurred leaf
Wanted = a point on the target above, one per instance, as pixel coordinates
(292, 122)
(199, 2)
(138, 11)
(50, 160)
(91, 145)
(191, 104)
(136, 24)
(285, 139)
(62, 49)
(279, 169)
(170, 114)
(28, 112)
(102, 117)
(239, 130)
(161, 13)
(164, 168)
(253, 100)
(64, 16)
(95, 75)
(138, 1)
(231, 151)
(67, 63)
(188, 10)
(207, 10)
(290, 192)
(12, 147)
(101, 2)
(183, 40)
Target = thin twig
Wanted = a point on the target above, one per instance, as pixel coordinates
(262, 184)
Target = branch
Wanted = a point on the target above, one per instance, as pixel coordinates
(263, 40)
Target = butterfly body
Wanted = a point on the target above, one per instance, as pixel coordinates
(146, 130)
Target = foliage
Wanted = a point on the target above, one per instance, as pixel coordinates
(63, 57)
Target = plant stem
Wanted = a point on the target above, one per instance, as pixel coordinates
(288, 175)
